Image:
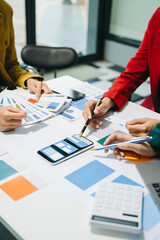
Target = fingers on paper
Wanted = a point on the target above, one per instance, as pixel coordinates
(88, 109)
(12, 113)
(46, 89)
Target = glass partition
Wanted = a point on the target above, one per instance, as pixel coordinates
(68, 23)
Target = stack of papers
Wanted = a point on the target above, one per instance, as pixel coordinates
(48, 105)
(74, 112)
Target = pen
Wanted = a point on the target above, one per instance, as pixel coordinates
(133, 140)
(88, 120)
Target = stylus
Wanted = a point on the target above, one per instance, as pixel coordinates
(133, 140)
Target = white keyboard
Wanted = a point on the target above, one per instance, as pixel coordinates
(118, 207)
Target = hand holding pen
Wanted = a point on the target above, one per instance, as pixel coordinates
(99, 111)
(89, 119)
(132, 140)
(142, 148)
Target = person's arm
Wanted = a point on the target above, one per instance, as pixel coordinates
(136, 72)
(19, 76)
(137, 69)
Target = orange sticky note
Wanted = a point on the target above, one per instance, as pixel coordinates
(134, 157)
(18, 188)
(31, 100)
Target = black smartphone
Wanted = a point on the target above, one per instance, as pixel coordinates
(65, 149)
(74, 95)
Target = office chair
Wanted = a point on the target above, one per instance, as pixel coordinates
(48, 58)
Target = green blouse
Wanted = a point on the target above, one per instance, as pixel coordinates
(155, 143)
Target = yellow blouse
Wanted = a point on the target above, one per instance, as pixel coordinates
(10, 71)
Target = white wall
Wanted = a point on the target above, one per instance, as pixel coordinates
(118, 53)
(129, 18)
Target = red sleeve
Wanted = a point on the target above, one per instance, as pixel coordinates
(136, 72)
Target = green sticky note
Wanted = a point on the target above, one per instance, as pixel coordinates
(102, 140)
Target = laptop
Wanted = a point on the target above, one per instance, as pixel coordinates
(150, 172)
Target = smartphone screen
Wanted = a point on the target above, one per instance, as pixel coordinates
(65, 149)
(74, 95)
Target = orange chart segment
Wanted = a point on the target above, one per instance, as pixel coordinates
(18, 188)
(134, 157)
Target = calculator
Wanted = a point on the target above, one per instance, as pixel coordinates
(118, 207)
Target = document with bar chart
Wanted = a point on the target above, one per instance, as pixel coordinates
(34, 113)
(47, 106)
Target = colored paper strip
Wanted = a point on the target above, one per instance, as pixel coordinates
(6, 170)
(134, 157)
(151, 213)
(102, 140)
(89, 174)
(125, 180)
(18, 188)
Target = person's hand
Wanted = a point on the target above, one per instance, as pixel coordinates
(99, 111)
(10, 118)
(142, 126)
(141, 148)
(37, 87)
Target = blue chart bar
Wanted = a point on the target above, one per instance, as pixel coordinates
(53, 105)
(89, 174)
(67, 115)
(151, 213)
(124, 180)
(79, 103)
(6, 170)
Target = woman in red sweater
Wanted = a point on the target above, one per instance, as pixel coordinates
(146, 63)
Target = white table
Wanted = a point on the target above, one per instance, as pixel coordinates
(49, 213)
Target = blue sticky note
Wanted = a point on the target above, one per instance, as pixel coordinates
(125, 180)
(151, 213)
(89, 174)
(6, 170)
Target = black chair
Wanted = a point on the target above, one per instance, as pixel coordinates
(48, 58)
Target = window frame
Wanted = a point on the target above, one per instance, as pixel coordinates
(30, 11)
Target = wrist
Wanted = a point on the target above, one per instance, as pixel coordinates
(110, 102)
(26, 82)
